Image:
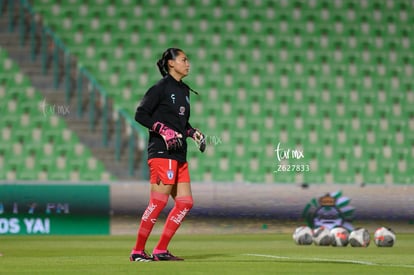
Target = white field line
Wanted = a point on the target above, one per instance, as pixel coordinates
(329, 260)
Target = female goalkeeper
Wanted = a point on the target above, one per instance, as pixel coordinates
(165, 111)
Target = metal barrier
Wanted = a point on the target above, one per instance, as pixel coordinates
(78, 83)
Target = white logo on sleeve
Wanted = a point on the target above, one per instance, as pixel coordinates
(173, 98)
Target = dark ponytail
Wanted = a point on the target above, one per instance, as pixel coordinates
(169, 54)
(162, 63)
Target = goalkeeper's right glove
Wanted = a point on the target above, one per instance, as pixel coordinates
(172, 139)
(198, 137)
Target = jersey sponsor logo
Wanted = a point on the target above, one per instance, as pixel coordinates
(182, 110)
(173, 98)
(170, 174)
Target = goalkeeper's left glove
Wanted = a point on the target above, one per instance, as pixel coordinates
(171, 138)
(198, 137)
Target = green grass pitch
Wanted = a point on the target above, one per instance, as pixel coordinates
(204, 254)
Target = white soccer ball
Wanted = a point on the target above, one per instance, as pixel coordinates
(322, 236)
(303, 235)
(359, 237)
(339, 236)
(384, 237)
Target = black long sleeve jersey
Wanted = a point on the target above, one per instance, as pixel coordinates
(168, 102)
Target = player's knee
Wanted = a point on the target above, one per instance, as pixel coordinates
(156, 204)
(159, 204)
(184, 202)
(158, 200)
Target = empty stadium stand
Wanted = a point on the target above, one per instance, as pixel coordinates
(333, 80)
(36, 143)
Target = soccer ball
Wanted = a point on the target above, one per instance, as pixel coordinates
(339, 236)
(322, 236)
(303, 235)
(359, 237)
(384, 237)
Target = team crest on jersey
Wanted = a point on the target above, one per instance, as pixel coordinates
(182, 110)
(170, 174)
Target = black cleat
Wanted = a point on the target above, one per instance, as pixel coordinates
(167, 256)
(140, 257)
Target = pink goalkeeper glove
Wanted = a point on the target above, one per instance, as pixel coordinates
(171, 138)
(198, 137)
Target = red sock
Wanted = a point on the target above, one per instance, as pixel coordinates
(182, 206)
(156, 204)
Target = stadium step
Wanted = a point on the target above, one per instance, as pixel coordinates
(44, 83)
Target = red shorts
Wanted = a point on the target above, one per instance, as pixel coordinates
(168, 171)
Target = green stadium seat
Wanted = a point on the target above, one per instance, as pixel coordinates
(9, 173)
(28, 172)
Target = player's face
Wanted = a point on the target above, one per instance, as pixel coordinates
(180, 66)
